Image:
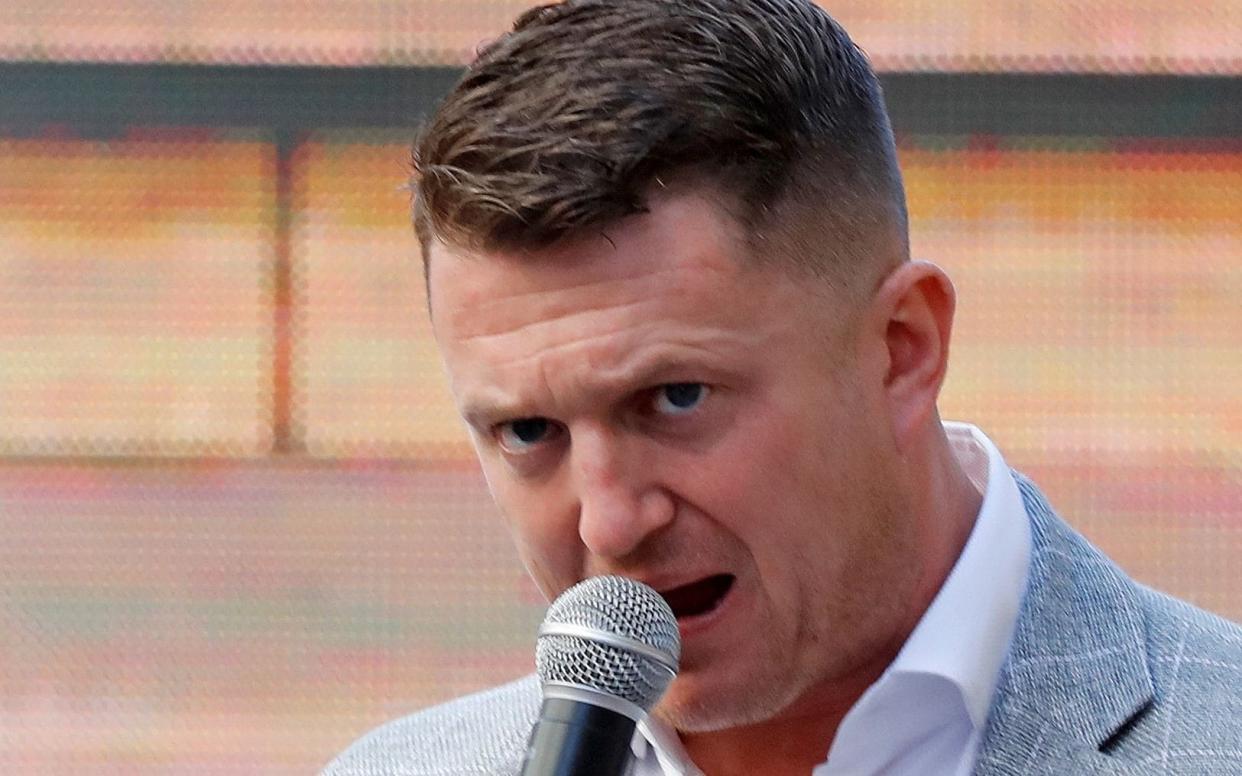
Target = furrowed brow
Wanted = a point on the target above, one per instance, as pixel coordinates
(666, 365)
(484, 412)
(617, 384)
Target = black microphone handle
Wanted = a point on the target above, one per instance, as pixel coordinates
(576, 738)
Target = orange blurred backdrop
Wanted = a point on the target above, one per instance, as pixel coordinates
(240, 521)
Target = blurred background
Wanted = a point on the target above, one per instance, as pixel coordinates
(239, 521)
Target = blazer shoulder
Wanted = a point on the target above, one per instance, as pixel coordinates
(483, 734)
(1105, 675)
(1193, 653)
(1194, 721)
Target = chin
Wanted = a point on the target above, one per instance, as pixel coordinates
(694, 708)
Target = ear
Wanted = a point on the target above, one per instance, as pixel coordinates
(912, 316)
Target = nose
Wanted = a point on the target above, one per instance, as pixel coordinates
(621, 502)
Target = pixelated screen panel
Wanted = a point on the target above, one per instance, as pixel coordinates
(965, 35)
(1097, 336)
(179, 594)
(371, 382)
(216, 616)
(133, 315)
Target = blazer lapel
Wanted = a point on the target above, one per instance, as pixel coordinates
(1077, 669)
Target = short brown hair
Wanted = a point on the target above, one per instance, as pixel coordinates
(564, 124)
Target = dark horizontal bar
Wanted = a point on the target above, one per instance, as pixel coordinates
(107, 98)
(103, 99)
(1062, 104)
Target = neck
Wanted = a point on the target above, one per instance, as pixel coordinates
(793, 743)
(799, 739)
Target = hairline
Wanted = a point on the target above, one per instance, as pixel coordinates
(774, 230)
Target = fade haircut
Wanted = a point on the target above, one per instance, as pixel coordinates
(565, 124)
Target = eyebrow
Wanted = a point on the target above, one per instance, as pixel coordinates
(482, 414)
(664, 365)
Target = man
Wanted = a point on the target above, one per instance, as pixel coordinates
(668, 267)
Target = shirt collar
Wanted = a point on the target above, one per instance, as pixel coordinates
(657, 739)
(964, 635)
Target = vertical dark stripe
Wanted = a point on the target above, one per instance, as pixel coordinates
(288, 436)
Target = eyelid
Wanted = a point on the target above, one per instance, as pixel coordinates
(554, 431)
(656, 394)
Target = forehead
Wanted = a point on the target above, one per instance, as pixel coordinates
(665, 296)
(683, 244)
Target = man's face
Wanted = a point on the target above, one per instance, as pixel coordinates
(649, 403)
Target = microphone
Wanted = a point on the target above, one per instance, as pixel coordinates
(607, 649)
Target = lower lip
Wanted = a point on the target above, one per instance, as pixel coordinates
(693, 626)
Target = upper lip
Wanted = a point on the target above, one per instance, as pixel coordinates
(663, 583)
(699, 597)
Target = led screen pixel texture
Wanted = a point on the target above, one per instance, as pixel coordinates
(241, 523)
(1144, 36)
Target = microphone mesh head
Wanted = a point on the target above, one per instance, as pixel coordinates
(614, 606)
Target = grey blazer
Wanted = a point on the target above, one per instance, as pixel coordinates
(1104, 676)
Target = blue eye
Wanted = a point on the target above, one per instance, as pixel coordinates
(680, 398)
(520, 435)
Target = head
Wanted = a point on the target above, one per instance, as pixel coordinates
(570, 121)
(667, 263)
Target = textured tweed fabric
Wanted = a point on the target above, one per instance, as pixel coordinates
(1104, 677)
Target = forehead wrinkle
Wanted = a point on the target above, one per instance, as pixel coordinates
(535, 331)
(495, 391)
(471, 318)
(634, 356)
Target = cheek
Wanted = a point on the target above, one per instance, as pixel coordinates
(751, 483)
(785, 478)
(543, 530)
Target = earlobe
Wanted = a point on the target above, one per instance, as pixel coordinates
(916, 303)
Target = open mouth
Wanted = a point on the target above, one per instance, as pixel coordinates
(698, 597)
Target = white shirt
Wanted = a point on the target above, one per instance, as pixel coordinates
(924, 716)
